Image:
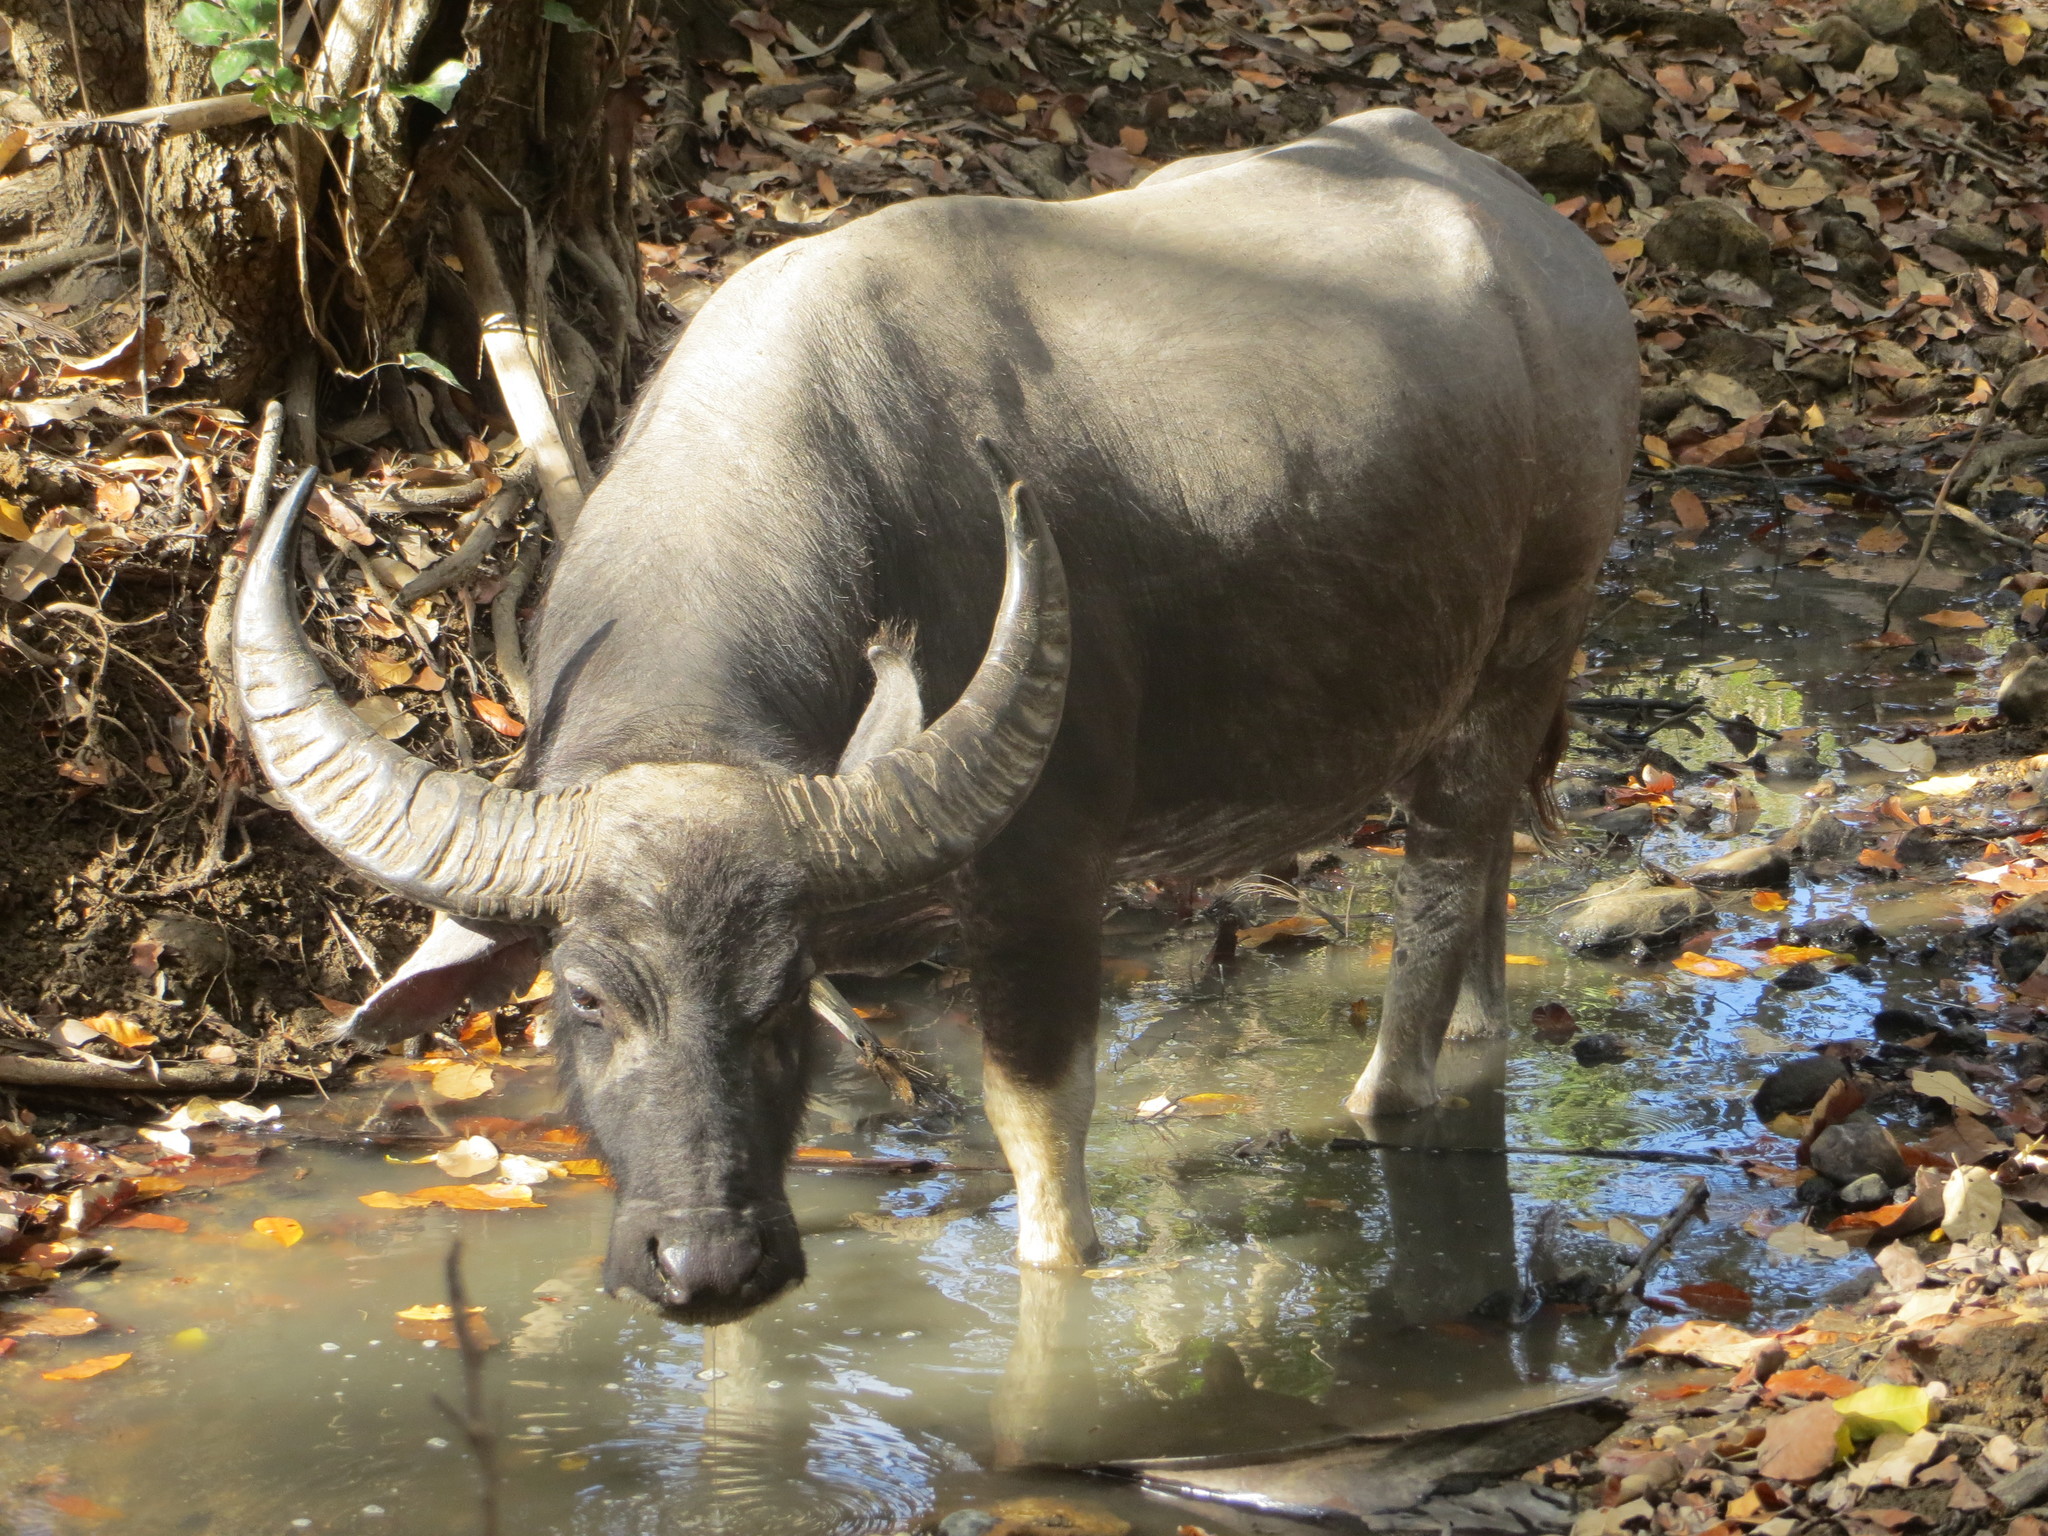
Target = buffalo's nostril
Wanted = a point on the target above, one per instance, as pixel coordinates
(706, 1268)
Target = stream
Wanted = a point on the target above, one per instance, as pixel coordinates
(1260, 1289)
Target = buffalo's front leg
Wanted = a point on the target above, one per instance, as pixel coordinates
(1034, 950)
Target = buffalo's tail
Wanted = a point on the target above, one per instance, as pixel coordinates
(1543, 771)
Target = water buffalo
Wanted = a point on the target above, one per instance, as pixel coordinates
(1323, 444)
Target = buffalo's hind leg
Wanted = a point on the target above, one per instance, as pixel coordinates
(1450, 923)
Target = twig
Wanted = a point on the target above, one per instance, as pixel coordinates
(473, 1421)
(511, 351)
(62, 261)
(909, 1081)
(461, 562)
(1933, 523)
(1637, 1275)
(1613, 1154)
(185, 1077)
(146, 124)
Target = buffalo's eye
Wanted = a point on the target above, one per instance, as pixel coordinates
(585, 1004)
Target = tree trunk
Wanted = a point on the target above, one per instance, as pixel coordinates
(103, 72)
(273, 241)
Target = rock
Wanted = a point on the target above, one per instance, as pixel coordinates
(1857, 1149)
(2021, 957)
(1956, 101)
(1688, 27)
(2026, 391)
(1790, 760)
(196, 946)
(1843, 931)
(1996, 1376)
(1921, 24)
(1979, 242)
(1057, 1517)
(1787, 73)
(1894, 69)
(1557, 148)
(1616, 918)
(1844, 39)
(1865, 1194)
(1819, 836)
(1628, 821)
(1661, 402)
(1744, 869)
(968, 1522)
(2027, 915)
(1706, 235)
(1578, 795)
(1623, 106)
(1799, 976)
(1599, 1050)
(2023, 696)
(1883, 18)
(1859, 255)
(1830, 370)
(1796, 1087)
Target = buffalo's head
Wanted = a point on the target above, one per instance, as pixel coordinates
(676, 899)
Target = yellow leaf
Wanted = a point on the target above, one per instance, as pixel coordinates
(1768, 901)
(1955, 618)
(594, 1167)
(1885, 1409)
(1708, 966)
(1207, 1104)
(120, 1029)
(1951, 1090)
(1792, 954)
(12, 524)
(281, 1230)
(466, 1080)
(387, 671)
(438, 1313)
(1652, 598)
(457, 1197)
(88, 1368)
(1526, 960)
(1624, 250)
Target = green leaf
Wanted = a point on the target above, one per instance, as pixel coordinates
(258, 16)
(438, 89)
(349, 119)
(420, 362)
(237, 59)
(559, 13)
(207, 26)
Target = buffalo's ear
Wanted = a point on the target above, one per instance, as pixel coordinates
(461, 963)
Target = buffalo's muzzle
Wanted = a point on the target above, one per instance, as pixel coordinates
(704, 1266)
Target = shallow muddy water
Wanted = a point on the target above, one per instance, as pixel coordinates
(1259, 1290)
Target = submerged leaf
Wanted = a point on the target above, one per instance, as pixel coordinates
(86, 1369)
(281, 1230)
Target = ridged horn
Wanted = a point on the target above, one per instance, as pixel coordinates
(905, 818)
(450, 840)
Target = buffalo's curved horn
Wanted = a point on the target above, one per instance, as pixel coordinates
(450, 840)
(904, 818)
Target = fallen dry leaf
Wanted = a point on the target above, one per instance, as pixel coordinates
(1955, 618)
(86, 1369)
(57, 1323)
(1799, 1445)
(1709, 967)
(464, 1080)
(496, 716)
(457, 1197)
(281, 1230)
(119, 1028)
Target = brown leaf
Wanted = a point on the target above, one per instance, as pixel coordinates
(496, 716)
(1553, 1022)
(1955, 618)
(150, 1221)
(465, 1080)
(1690, 511)
(1799, 1446)
(1883, 541)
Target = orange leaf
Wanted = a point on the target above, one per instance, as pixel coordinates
(1769, 901)
(156, 1221)
(281, 1230)
(1690, 511)
(496, 716)
(1810, 1381)
(88, 1368)
(152, 1185)
(594, 1167)
(1709, 967)
(1879, 858)
(1955, 618)
(57, 1323)
(822, 1155)
(120, 1029)
(457, 1197)
(1792, 954)
(78, 1507)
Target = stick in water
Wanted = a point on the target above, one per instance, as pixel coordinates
(1616, 1154)
(473, 1422)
